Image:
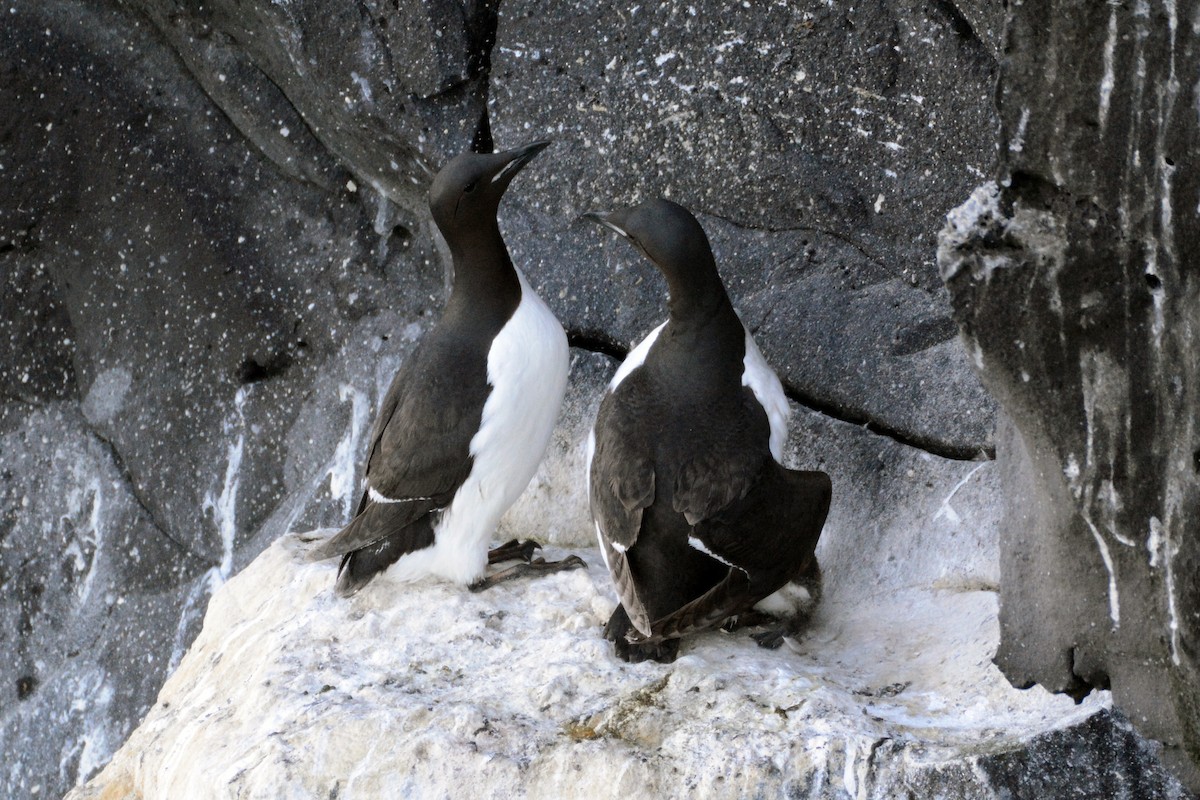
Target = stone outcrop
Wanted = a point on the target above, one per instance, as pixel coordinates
(427, 690)
(1075, 285)
(821, 147)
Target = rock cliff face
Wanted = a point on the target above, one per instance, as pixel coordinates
(215, 251)
(1075, 285)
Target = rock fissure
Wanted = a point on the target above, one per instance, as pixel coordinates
(597, 342)
(136, 494)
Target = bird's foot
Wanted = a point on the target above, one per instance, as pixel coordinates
(514, 550)
(747, 619)
(774, 634)
(772, 637)
(619, 630)
(537, 566)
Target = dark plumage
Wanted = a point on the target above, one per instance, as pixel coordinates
(697, 519)
(468, 416)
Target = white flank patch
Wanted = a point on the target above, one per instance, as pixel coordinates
(376, 497)
(789, 601)
(696, 544)
(762, 380)
(527, 370)
(603, 549)
(636, 357)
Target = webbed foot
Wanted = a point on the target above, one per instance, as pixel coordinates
(537, 566)
(514, 550)
(618, 630)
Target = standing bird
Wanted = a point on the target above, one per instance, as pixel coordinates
(697, 519)
(469, 414)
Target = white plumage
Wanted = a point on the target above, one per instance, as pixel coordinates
(762, 380)
(527, 370)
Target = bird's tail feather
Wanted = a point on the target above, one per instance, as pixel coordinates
(359, 567)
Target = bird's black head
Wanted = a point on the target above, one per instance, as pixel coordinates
(667, 234)
(466, 192)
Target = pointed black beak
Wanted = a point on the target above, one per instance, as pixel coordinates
(609, 219)
(514, 160)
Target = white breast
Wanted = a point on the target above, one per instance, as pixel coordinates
(527, 370)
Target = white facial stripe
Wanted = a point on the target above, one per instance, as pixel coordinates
(509, 169)
(620, 232)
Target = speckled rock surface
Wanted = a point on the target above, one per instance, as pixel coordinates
(171, 297)
(1074, 282)
(821, 146)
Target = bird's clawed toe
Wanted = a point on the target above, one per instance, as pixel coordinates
(536, 566)
(514, 550)
(618, 631)
(771, 638)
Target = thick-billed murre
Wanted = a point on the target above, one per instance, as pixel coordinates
(468, 416)
(698, 521)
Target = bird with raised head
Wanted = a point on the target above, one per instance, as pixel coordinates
(698, 520)
(469, 414)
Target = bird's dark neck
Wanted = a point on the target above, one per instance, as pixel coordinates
(697, 299)
(484, 276)
(704, 341)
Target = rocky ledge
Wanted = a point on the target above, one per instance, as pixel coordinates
(427, 690)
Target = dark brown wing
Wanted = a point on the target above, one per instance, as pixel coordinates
(423, 450)
(724, 470)
(769, 537)
(774, 529)
(420, 444)
(621, 474)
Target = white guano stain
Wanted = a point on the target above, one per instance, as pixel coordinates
(1162, 555)
(946, 510)
(343, 465)
(96, 743)
(1114, 600)
(1108, 81)
(96, 527)
(1017, 143)
(223, 506)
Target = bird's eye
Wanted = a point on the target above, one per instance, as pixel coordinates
(471, 186)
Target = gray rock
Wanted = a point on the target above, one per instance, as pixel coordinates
(90, 622)
(1073, 284)
(821, 147)
(172, 295)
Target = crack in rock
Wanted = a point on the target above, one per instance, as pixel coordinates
(598, 342)
(127, 476)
